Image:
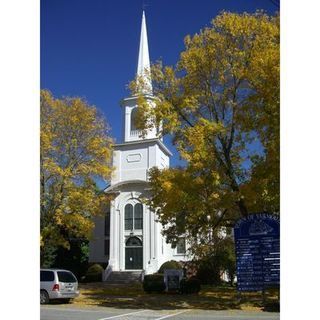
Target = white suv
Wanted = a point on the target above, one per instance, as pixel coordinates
(57, 284)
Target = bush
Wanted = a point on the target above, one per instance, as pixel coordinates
(209, 272)
(94, 273)
(169, 265)
(153, 283)
(191, 285)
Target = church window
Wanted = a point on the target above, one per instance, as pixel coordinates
(181, 222)
(133, 216)
(128, 217)
(134, 116)
(138, 216)
(107, 247)
(181, 246)
(107, 224)
(134, 242)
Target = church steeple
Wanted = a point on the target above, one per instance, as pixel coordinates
(143, 59)
(130, 105)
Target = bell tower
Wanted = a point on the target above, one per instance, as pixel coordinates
(130, 105)
(135, 242)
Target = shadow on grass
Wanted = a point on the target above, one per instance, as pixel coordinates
(272, 307)
(60, 301)
(133, 297)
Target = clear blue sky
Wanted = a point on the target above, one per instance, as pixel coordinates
(89, 48)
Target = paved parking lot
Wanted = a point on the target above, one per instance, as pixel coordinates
(103, 313)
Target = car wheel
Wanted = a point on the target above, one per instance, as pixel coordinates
(66, 300)
(44, 297)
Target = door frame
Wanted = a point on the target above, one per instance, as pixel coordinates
(133, 247)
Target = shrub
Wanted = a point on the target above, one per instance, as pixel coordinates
(153, 283)
(169, 265)
(222, 258)
(209, 272)
(94, 273)
(191, 285)
(190, 268)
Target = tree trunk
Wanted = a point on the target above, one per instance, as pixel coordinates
(242, 208)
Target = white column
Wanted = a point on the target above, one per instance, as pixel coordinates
(152, 236)
(156, 235)
(116, 236)
(145, 237)
(113, 235)
(121, 239)
(111, 254)
(127, 123)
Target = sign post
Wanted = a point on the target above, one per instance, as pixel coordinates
(172, 278)
(257, 243)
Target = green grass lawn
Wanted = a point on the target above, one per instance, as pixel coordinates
(209, 298)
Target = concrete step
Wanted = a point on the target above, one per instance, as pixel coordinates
(123, 277)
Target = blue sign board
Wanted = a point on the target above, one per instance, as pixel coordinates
(257, 243)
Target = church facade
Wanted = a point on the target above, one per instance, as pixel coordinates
(129, 237)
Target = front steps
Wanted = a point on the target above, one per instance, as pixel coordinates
(124, 277)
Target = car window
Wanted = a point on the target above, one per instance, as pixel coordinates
(46, 276)
(65, 276)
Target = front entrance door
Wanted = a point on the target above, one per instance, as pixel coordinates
(134, 252)
(133, 258)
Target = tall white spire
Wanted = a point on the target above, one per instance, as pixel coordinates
(143, 60)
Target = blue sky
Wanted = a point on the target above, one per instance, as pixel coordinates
(89, 48)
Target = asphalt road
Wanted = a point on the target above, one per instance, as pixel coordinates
(103, 313)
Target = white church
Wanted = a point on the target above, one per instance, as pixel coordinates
(129, 238)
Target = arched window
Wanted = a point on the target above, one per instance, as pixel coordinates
(138, 216)
(134, 114)
(134, 242)
(133, 216)
(128, 217)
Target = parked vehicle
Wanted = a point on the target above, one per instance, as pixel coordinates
(57, 284)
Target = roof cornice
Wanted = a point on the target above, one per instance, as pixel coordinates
(158, 141)
(114, 188)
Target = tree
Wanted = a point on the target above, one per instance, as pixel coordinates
(221, 105)
(75, 258)
(219, 259)
(75, 150)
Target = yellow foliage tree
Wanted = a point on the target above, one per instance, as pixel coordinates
(75, 150)
(221, 105)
